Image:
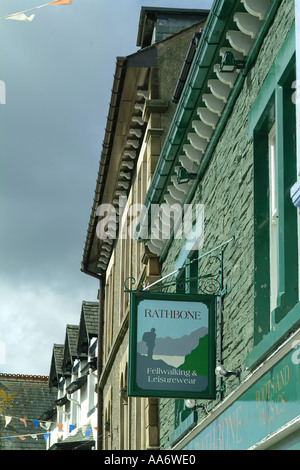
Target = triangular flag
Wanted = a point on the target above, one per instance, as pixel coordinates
(23, 421)
(20, 17)
(83, 429)
(22, 438)
(46, 425)
(88, 432)
(46, 435)
(7, 420)
(34, 436)
(71, 427)
(61, 2)
(60, 426)
(35, 422)
(9, 438)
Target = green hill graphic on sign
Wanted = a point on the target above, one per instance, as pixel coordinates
(193, 360)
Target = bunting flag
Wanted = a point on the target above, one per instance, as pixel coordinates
(85, 429)
(7, 420)
(46, 425)
(71, 427)
(35, 422)
(21, 16)
(61, 2)
(23, 437)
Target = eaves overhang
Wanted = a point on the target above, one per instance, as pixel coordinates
(70, 348)
(56, 365)
(123, 136)
(76, 384)
(207, 99)
(88, 326)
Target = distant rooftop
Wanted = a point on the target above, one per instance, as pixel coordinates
(23, 398)
(157, 24)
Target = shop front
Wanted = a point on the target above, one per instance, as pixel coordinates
(263, 413)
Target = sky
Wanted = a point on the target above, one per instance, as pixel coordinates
(56, 74)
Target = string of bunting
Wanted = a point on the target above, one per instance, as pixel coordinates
(86, 430)
(21, 16)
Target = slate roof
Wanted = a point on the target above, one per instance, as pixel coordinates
(56, 365)
(88, 325)
(76, 343)
(70, 348)
(23, 396)
(90, 314)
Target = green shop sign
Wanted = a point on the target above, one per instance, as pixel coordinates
(265, 407)
(172, 345)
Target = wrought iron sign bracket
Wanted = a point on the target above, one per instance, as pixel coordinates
(209, 283)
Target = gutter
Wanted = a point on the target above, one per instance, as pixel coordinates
(99, 355)
(207, 40)
(186, 66)
(100, 364)
(208, 48)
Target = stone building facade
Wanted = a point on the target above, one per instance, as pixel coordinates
(223, 156)
(140, 112)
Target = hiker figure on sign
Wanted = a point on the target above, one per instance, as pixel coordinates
(149, 339)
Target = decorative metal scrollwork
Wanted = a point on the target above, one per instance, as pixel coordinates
(208, 283)
(130, 282)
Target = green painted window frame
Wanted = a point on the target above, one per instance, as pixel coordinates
(188, 277)
(274, 105)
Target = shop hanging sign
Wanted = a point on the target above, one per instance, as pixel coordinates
(172, 345)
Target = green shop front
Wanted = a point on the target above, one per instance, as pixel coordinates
(263, 413)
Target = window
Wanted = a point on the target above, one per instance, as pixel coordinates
(124, 406)
(187, 280)
(273, 225)
(109, 309)
(108, 425)
(272, 125)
